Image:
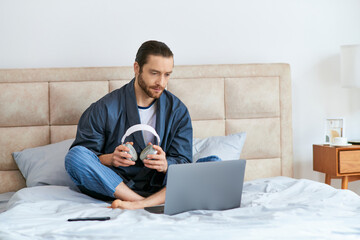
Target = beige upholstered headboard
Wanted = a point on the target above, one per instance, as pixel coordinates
(42, 106)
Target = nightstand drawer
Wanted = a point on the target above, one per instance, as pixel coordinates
(349, 161)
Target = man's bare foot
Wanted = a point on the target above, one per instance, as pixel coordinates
(126, 204)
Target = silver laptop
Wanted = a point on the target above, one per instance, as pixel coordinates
(203, 186)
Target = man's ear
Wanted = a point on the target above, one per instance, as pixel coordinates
(136, 68)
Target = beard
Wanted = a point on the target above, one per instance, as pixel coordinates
(149, 90)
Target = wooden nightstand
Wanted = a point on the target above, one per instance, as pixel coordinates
(337, 162)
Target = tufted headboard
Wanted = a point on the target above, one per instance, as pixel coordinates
(42, 106)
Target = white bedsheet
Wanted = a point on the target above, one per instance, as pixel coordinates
(274, 208)
(4, 198)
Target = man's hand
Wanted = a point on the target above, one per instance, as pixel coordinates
(157, 161)
(121, 157)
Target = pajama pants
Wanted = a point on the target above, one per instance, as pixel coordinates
(92, 177)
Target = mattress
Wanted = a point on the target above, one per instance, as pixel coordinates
(271, 208)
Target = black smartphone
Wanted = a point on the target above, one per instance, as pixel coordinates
(89, 219)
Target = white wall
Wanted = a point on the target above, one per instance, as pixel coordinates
(305, 33)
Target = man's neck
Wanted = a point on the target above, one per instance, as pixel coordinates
(142, 99)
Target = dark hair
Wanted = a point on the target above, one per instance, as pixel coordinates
(152, 47)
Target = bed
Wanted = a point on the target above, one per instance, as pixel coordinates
(39, 110)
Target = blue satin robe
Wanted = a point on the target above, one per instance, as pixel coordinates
(104, 123)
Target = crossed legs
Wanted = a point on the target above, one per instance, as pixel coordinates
(99, 181)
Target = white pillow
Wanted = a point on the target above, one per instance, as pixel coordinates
(45, 165)
(226, 147)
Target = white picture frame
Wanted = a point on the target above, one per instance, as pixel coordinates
(334, 127)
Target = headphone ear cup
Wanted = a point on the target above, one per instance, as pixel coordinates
(148, 150)
(132, 152)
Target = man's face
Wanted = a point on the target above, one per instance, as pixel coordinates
(155, 75)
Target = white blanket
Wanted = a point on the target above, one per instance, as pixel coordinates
(275, 208)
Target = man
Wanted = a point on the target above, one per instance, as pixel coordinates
(97, 161)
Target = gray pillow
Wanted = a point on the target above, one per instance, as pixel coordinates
(45, 165)
(226, 147)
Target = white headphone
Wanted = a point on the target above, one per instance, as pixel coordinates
(148, 149)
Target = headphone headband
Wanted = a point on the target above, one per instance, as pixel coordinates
(140, 127)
